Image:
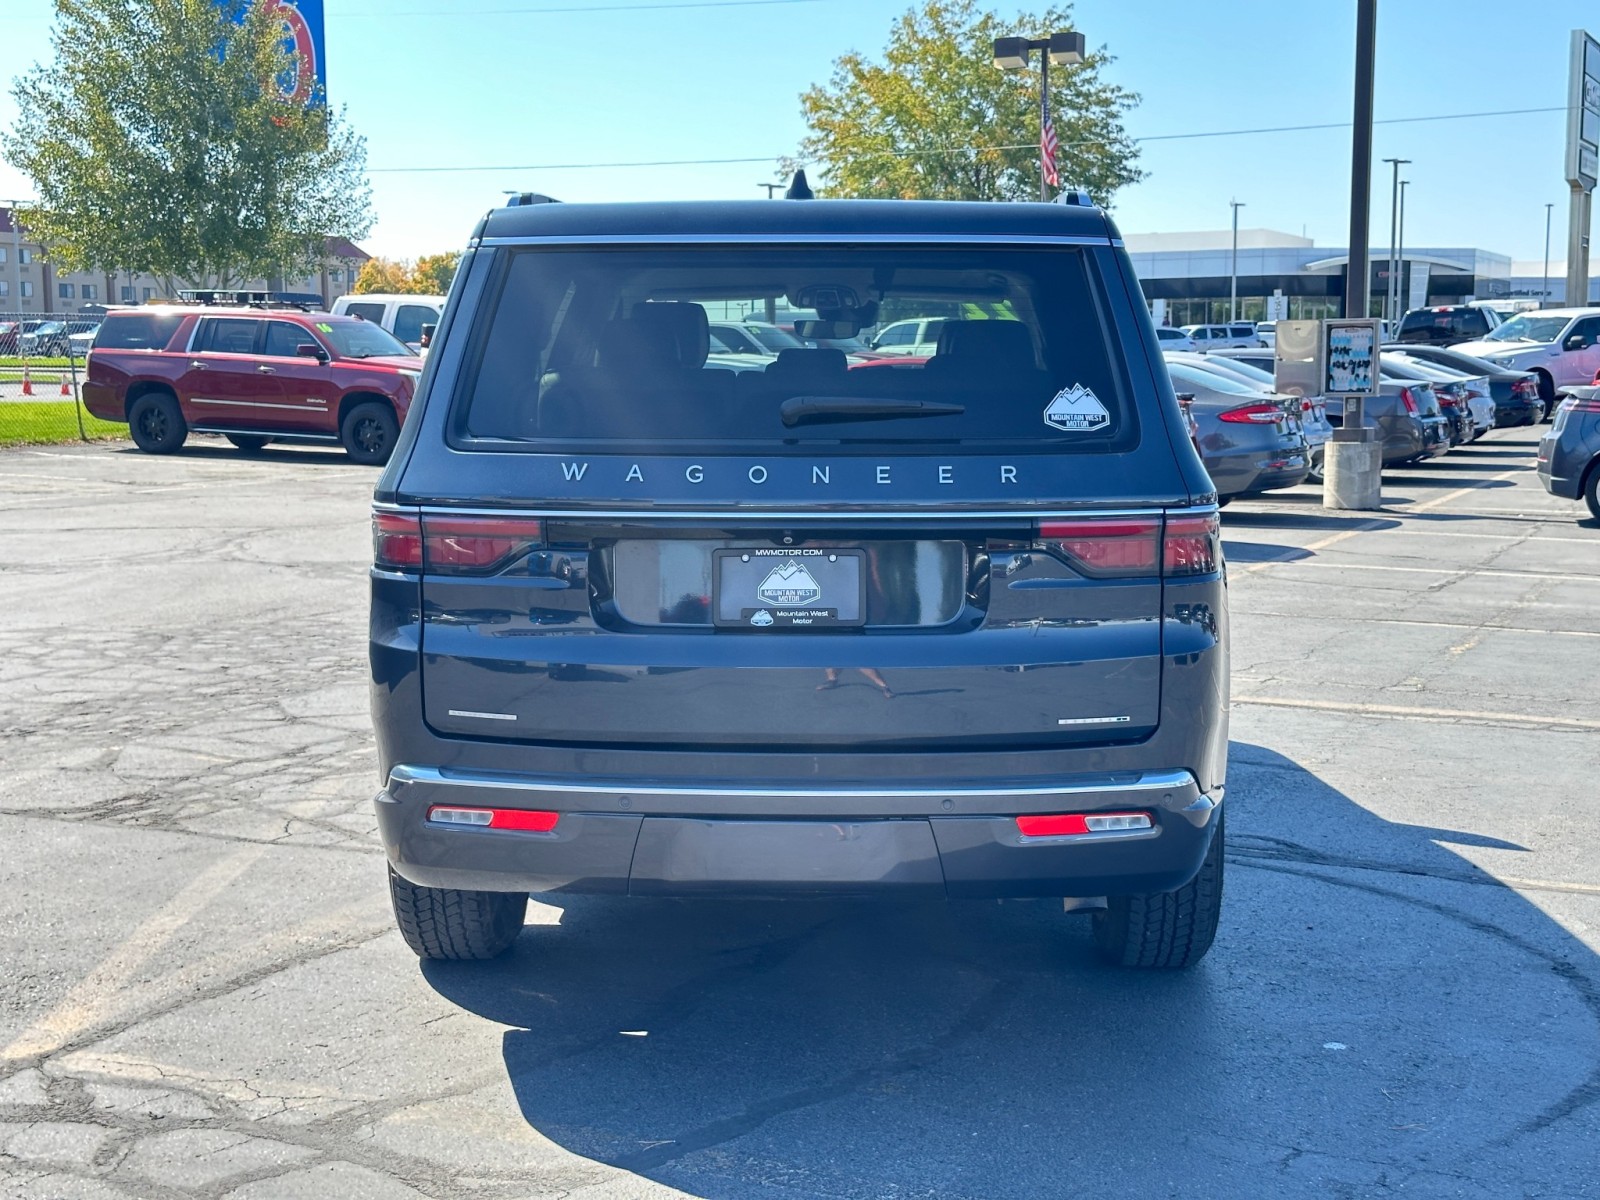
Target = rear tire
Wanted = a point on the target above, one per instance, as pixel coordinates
(451, 923)
(1591, 491)
(246, 442)
(156, 423)
(368, 433)
(1165, 929)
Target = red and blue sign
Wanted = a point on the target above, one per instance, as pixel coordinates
(301, 21)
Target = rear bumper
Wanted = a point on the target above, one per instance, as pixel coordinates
(730, 840)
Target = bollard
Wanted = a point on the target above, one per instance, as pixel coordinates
(1353, 471)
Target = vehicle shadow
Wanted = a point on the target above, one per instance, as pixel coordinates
(1377, 1013)
(1295, 520)
(1258, 552)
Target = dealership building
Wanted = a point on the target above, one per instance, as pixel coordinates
(1186, 276)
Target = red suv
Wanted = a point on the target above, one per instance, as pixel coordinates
(253, 375)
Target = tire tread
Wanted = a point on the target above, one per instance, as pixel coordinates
(1165, 930)
(452, 923)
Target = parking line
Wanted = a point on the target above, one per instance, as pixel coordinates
(1277, 616)
(99, 991)
(1408, 712)
(1464, 572)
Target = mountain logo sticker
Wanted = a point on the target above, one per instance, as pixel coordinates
(761, 618)
(789, 586)
(1077, 410)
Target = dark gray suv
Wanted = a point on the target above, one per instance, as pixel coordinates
(649, 627)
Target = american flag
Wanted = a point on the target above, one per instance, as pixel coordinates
(1047, 150)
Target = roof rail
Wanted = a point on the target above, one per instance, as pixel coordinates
(1076, 196)
(522, 198)
(305, 302)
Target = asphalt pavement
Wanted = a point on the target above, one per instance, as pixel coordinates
(202, 994)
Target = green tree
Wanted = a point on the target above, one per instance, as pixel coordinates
(159, 141)
(434, 272)
(936, 120)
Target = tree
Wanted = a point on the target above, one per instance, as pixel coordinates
(936, 120)
(383, 275)
(160, 141)
(430, 275)
(435, 272)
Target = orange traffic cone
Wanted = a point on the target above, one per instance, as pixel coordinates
(65, 390)
(27, 383)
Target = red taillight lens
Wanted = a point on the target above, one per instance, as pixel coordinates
(522, 820)
(1192, 545)
(473, 544)
(1576, 405)
(1105, 548)
(397, 541)
(1263, 413)
(451, 545)
(1126, 548)
(1409, 401)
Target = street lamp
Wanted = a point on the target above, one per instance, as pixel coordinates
(1400, 254)
(1233, 274)
(1544, 290)
(1390, 292)
(1063, 49)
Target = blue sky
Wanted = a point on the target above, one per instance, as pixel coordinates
(492, 83)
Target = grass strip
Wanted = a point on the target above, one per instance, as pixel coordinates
(39, 423)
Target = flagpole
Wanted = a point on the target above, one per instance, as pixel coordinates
(1044, 122)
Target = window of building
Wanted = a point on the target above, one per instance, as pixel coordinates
(24, 255)
(27, 289)
(89, 292)
(127, 294)
(149, 292)
(3, 253)
(5, 287)
(66, 291)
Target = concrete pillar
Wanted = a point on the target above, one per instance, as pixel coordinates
(1353, 471)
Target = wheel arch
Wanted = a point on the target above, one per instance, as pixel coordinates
(351, 399)
(142, 388)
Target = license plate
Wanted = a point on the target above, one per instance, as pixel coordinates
(765, 588)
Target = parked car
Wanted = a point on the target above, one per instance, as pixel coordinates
(918, 336)
(1515, 393)
(402, 315)
(255, 376)
(43, 339)
(1409, 422)
(730, 339)
(1267, 333)
(1472, 388)
(1238, 335)
(1312, 412)
(1446, 324)
(1174, 339)
(9, 332)
(80, 337)
(757, 336)
(1451, 388)
(951, 630)
(1250, 441)
(1569, 454)
(1559, 345)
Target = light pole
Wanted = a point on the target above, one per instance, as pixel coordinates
(1400, 254)
(1390, 292)
(1063, 49)
(1544, 289)
(1233, 273)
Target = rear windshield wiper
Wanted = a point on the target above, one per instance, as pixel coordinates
(798, 410)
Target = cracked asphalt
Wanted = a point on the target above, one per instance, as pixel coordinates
(202, 994)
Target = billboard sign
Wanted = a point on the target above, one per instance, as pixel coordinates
(1583, 112)
(301, 22)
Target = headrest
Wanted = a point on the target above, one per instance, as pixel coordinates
(684, 323)
(1001, 343)
(809, 362)
(637, 346)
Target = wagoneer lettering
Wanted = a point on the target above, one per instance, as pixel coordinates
(809, 626)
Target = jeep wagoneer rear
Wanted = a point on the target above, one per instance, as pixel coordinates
(650, 626)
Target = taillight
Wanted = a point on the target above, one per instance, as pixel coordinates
(451, 545)
(1126, 548)
(1576, 405)
(521, 819)
(1262, 413)
(1192, 545)
(1078, 824)
(1409, 401)
(1530, 387)
(1119, 548)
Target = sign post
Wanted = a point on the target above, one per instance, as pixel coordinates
(1348, 370)
(1583, 160)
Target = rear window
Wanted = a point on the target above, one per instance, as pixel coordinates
(367, 312)
(137, 331)
(607, 348)
(1455, 321)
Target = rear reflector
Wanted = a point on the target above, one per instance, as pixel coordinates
(521, 819)
(451, 545)
(1073, 824)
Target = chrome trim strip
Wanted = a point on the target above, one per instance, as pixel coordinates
(277, 435)
(483, 716)
(321, 404)
(1149, 781)
(746, 515)
(776, 238)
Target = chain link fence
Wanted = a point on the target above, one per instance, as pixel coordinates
(41, 376)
